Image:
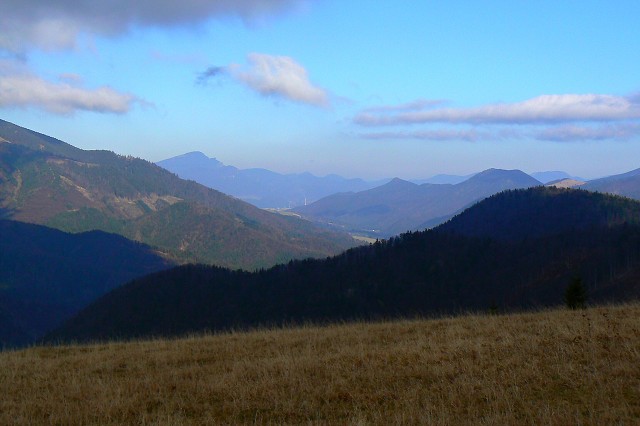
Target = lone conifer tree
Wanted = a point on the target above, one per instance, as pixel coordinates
(575, 296)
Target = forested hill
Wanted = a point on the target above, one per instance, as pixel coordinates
(540, 211)
(47, 181)
(425, 273)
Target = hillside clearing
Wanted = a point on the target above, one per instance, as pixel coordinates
(551, 367)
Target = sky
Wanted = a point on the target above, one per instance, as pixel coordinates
(370, 89)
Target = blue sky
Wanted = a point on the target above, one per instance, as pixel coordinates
(358, 88)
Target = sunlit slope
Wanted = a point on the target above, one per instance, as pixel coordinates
(46, 181)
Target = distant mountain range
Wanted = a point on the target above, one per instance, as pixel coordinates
(260, 187)
(47, 275)
(267, 189)
(46, 181)
(543, 177)
(377, 209)
(517, 249)
(399, 205)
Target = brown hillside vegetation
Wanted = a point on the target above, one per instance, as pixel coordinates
(551, 367)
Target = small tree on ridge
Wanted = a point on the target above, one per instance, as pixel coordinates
(575, 296)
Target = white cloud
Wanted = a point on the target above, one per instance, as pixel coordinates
(56, 24)
(563, 133)
(25, 90)
(571, 133)
(544, 110)
(279, 76)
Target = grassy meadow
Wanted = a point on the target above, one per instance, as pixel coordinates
(549, 367)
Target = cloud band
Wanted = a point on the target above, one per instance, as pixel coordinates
(55, 24)
(546, 109)
(23, 91)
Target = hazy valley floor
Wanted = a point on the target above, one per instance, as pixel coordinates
(551, 367)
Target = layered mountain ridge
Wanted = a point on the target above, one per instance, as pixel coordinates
(399, 205)
(46, 181)
(261, 187)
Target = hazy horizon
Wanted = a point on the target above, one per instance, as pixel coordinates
(416, 178)
(358, 89)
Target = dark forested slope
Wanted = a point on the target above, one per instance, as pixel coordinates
(429, 272)
(518, 214)
(47, 275)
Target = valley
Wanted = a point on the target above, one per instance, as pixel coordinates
(319, 212)
(517, 249)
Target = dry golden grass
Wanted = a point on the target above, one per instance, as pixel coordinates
(552, 367)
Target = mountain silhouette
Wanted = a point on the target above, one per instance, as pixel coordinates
(261, 187)
(400, 206)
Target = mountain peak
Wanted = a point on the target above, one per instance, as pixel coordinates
(190, 159)
(494, 171)
(398, 181)
(492, 175)
(194, 154)
(398, 184)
